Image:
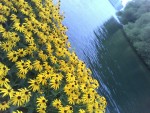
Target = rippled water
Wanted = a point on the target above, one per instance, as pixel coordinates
(98, 40)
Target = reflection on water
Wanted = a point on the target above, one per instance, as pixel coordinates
(125, 81)
(82, 17)
(123, 72)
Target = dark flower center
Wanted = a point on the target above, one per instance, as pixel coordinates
(19, 97)
(89, 96)
(26, 92)
(3, 79)
(14, 55)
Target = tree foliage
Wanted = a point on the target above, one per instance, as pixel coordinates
(136, 20)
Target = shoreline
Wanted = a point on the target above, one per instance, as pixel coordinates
(133, 48)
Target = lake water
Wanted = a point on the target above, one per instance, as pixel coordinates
(99, 41)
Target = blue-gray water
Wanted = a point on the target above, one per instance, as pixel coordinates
(98, 40)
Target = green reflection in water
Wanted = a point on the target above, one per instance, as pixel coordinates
(125, 75)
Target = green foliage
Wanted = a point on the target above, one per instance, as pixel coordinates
(136, 20)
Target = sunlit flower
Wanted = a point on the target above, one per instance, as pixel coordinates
(81, 111)
(21, 52)
(57, 103)
(41, 102)
(4, 81)
(39, 70)
(6, 46)
(55, 84)
(13, 56)
(18, 99)
(26, 94)
(37, 66)
(34, 85)
(3, 106)
(7, 91)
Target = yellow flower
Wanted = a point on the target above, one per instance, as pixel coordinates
(29, 65)
(41, 109)
(2, 19)
(42, 55)
(84, 88)
(13, 56)
(21, 75)
(47, 67)
(18, 27)
(71, 100)
(70, 109)
(37, 66)
(23, 70)
(70, 77)
(18, 99)
(26, 94)
(25, 11)
(29, 39)
(7, 91)
(2, 29)
(41, 78)
(14, 18)
(21, 52)
(82, 111)
(6, 46)
(88, 97)
(3, 70)
(41, 102)
(67, 89)
(34, 85)
(57, 77)
(54, 84)
(67, 109)
(4, 81)
(3, 106)
(57, 103)
(53, 59)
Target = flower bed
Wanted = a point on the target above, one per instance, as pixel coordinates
(39, 72)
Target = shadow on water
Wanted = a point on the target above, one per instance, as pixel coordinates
(124, 78)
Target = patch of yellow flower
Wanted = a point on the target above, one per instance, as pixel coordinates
(38, 70)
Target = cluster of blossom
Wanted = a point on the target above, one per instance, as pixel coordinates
(38, 70)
